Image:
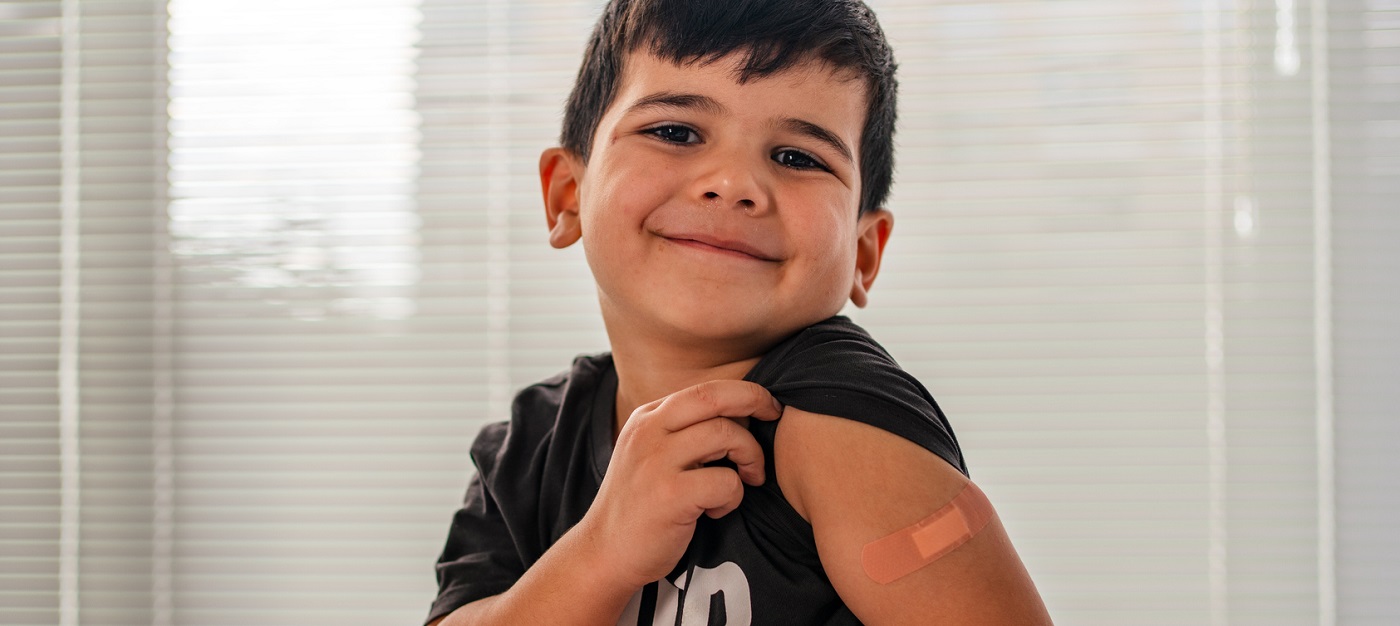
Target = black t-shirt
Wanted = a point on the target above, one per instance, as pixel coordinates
(538, 474)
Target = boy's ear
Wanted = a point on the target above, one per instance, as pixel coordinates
(872, 231)
(561, 171)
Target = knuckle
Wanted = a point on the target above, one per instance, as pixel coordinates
(651, 409)
(626, 436)
(705, 393)
(724, 430)
(758, 393)
(640, 421)
(636, 441)
(729, 437)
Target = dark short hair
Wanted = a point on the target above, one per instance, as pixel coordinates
(772, 34)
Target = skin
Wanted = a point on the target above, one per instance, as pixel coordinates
(718, 218)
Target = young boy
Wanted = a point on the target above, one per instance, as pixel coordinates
(724, 165)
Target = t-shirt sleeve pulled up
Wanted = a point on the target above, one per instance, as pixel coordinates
(835, 368)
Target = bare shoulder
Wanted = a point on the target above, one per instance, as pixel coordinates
(855, 484)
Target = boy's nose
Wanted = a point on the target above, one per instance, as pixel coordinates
(730, 183)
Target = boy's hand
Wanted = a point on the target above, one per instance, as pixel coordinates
(657, 485)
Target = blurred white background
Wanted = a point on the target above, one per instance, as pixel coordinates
(266, 266)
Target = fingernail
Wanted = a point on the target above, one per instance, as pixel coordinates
(777, 406)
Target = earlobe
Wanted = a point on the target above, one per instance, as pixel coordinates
(560, 174)
(873, 231)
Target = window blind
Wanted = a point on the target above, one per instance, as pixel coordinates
(322, 317)
(1365, 83)
(1128, 364)
(1140, 259)
(116, 50)
(31, 76)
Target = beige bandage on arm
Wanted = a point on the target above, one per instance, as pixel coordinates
(902, 552)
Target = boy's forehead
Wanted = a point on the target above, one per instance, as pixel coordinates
(811, 86)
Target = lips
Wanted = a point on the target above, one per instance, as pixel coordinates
(708, 241)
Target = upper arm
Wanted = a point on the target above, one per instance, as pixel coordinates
(857, 483)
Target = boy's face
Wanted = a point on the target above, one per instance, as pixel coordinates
(712, 210)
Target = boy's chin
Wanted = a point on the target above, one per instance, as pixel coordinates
(747, 330)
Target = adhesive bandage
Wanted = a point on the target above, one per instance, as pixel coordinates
(902, 552)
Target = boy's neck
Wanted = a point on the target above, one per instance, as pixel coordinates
(651, 371)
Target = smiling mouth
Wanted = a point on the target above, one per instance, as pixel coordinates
(734, 249)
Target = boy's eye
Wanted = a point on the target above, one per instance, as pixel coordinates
(674, 134)
(797, 160)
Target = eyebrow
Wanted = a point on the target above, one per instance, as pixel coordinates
(675, 100)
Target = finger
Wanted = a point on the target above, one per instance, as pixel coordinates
(714, 491)
(715, 439)
(718, 398)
